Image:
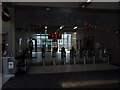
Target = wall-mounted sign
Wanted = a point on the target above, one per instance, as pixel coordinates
(54, 36)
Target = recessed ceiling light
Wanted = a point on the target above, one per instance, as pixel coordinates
(88, 0)
(74, 32)
(47, 9)
(61, 27)
(83, 6)
(75, 27)
(45, 27)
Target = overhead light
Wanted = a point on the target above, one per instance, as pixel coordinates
(45, 27)
(88, 0)
(47, 9)
(45, 31)
(74, 32)
(83, 6)
(61, 27)
(75, 27)
(64, 32)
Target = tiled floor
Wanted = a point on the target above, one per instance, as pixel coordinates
(99, 75)
(71, 68)
(87, 79)
(49, 67)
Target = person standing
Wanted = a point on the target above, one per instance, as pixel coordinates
(30, 47)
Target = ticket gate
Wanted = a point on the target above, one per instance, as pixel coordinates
(73, 55)
(54, 57)
(81, 56)
(90, 56)
(87, 56)
(43, 58)
(104, 55)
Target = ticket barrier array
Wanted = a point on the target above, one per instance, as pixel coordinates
(87, 56)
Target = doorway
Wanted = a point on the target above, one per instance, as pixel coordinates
(42, 40)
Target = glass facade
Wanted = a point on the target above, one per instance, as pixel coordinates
(43, 41)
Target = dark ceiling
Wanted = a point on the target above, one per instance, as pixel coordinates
(64, 6)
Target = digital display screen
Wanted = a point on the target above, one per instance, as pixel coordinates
(54, 36)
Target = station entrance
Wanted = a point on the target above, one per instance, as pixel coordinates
(48, 44)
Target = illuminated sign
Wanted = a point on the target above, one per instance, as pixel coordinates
(54, 36)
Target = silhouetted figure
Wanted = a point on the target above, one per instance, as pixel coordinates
(30, 47)
(63, 53)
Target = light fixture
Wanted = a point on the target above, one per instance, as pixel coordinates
(88, 0)
(75, 27)
(47, 9)
(45, 27)
(64, 32)
(45, 31)
(83, 6)
(74, 32)
(61, 27)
